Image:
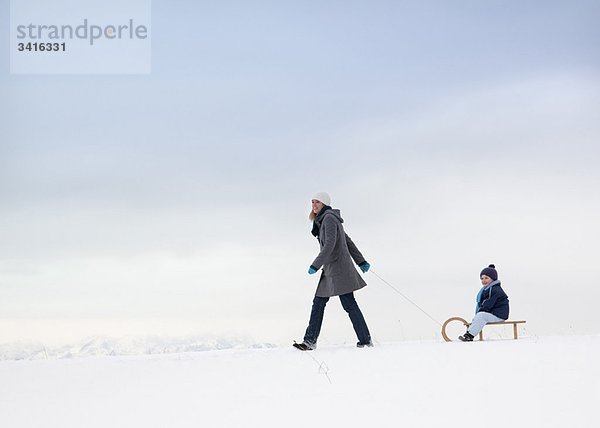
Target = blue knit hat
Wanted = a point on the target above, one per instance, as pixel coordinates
(491, 272)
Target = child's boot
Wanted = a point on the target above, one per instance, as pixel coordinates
(467, 337)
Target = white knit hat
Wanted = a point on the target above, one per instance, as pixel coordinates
(323, 197)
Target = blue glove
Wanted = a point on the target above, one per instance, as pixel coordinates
(364, 266)
(312, 270)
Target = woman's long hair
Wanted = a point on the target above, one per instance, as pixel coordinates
(312, 215)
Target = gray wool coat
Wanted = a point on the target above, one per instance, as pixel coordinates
(339, 275)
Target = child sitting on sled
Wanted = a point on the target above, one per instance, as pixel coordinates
(492, 304)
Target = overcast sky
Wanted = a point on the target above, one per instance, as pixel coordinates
(451, 134)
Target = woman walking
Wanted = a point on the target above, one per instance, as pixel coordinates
(339, 276)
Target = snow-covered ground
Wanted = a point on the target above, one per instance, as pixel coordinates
(532, 382)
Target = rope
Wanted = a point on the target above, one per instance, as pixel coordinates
(402, 294)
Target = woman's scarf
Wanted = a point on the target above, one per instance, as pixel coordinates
(317, 222)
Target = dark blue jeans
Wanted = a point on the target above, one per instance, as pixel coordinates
(349, 304)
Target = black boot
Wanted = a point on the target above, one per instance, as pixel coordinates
(305, 346)
(467, 337)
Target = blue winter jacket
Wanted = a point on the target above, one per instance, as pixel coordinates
(493, 299)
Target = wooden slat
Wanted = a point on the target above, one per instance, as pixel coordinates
(507, 322)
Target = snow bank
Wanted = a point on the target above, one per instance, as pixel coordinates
(135, 345)
(536, 382)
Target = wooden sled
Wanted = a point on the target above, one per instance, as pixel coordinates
(467, 324)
